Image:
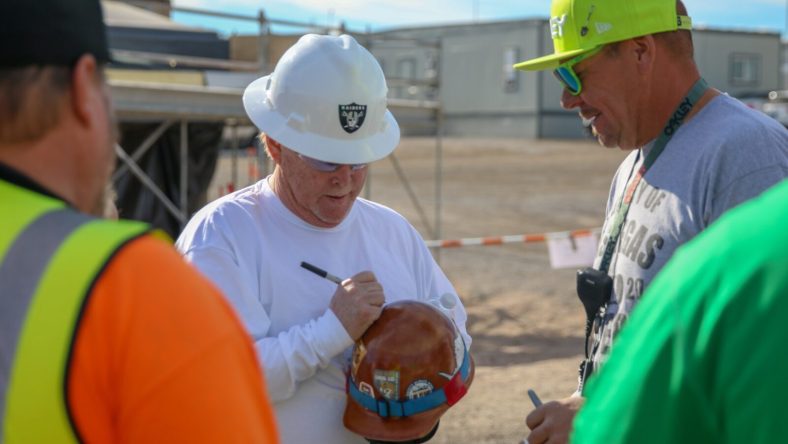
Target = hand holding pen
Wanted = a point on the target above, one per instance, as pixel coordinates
(357, 301)
(537, 402)
(552, 422)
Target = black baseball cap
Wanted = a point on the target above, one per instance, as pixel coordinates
(51, 32)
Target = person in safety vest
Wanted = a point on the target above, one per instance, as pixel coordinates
(324, 117)
(627, 67)
(106, 335)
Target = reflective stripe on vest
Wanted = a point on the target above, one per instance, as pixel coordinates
(46, 272)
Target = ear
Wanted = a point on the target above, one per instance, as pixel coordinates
(644, 50)
(274, 148)
(86, 94)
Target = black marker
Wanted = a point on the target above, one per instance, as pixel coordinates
(535, 399)
(322, 273)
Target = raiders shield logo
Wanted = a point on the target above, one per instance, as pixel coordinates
(351, 117)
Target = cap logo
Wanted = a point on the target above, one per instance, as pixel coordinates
(602, 28)
(351, 116)
(584, 29)
(557, 26)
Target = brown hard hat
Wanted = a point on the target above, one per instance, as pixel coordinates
(408, 368)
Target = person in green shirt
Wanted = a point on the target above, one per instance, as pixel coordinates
(703, 358)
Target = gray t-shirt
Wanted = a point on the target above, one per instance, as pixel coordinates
(726, 154)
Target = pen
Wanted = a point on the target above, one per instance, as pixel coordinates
(535, 399)
(537, 402)
(322, 273)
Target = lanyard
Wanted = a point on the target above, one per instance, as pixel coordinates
(671, 127)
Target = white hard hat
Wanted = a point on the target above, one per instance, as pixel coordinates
(326, 99)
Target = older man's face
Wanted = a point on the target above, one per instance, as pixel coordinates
(322, 199)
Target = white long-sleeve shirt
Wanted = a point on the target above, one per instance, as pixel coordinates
(251, 246)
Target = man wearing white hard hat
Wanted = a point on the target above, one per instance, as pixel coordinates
(323, 117)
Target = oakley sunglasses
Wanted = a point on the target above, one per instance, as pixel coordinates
(567, 76)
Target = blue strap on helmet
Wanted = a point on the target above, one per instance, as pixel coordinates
(450, 394)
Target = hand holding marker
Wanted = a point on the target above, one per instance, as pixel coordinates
(358, 303)
(537, 402)
(445, 302)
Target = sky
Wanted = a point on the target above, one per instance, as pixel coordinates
(376, 15)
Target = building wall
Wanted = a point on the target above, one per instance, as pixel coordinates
(738, 62)
(784, 64)
(247, 48)
(482, 96)
(404, 64)
(165, 41)
(161, 7)
(479, 91)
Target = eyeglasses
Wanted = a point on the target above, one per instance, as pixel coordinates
(567, 76)
(328, 167)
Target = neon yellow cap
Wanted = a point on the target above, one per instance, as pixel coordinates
(578, 26)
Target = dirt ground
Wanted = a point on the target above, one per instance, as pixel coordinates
(524, 317)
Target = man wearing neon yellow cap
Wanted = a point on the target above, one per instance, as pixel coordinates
(627, 67)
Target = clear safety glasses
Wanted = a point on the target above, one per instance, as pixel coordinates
(567, 76)
(328, 167)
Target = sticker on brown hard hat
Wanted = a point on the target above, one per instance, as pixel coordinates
(419, 388)
(363, 387)
(416, 360)
(459, 351)
(359, 351)
(387, 383)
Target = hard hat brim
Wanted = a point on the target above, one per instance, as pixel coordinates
(354, 150)
(550, 61)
